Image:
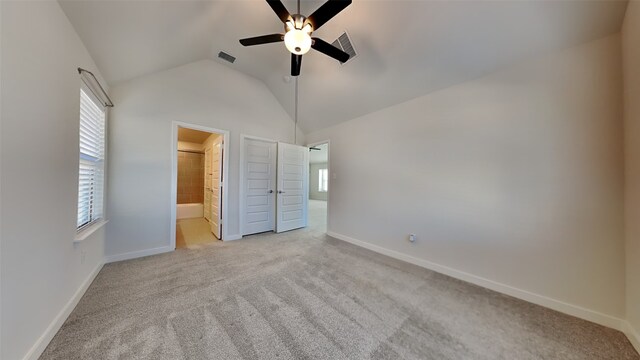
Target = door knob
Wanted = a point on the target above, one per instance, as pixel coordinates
(280, 192)
(270, 191)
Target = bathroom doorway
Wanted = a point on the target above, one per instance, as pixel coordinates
(199, 185)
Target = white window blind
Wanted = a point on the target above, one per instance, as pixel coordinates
(323, 180)
(92, 148)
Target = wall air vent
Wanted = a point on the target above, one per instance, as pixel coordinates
(226, 57)
(344, 43)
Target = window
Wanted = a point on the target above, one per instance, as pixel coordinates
(91, 164)
(323, 180)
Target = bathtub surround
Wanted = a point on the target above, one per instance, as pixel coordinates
(190, 177)
(189, 211)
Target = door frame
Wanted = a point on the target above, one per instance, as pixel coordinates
(174, 175)
(328, 142)
(243, 138)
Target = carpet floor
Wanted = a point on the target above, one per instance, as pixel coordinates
(304, 295)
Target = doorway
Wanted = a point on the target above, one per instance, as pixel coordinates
(318, 185)
(199, 194)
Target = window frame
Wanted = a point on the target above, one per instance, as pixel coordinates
(323, 180)
(100, 163)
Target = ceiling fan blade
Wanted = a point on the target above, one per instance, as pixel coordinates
(325, 12)
(329, 50)
(279, 9)
(296, 63)
(264, 39)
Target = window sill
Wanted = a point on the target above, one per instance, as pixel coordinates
(85, 233)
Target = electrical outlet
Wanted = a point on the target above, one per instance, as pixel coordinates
(412, 237)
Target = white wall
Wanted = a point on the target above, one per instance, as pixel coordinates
(314, 194)
(204, 93)
(0, 180)
(631, 69)
(515, 177)
(42, 269)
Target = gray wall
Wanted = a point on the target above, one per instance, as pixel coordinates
(314, 194)
(140, 166)
(42, 268)
(515, 178)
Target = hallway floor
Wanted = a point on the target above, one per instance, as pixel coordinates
(193, 233)
(318, 215)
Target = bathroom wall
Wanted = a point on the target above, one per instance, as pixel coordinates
(190, 177)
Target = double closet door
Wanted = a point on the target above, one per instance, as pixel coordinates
(275, 186)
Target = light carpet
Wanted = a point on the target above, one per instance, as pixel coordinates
(303, 295)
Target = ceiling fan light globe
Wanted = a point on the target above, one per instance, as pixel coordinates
(297, 41)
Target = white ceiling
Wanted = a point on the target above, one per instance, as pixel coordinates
(405, 48)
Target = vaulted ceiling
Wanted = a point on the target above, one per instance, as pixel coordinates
(405, 48)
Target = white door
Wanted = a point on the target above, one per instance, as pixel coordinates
(207, 184)
(216, 186)
(259, 185)
(293, 186)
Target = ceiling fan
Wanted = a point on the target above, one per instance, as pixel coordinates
(298, 29)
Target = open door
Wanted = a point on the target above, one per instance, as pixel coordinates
(207, 184)
(293, 187)
(216, 187)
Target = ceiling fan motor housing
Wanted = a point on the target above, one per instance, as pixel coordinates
(298, 29)
(298, 22)
(297, 36)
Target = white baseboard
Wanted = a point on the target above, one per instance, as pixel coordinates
(233, 237)
(563, 307)
(38, 348)
(138, 254)
(633, 335)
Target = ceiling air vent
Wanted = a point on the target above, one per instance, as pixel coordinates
(344, 43)
(226, 57)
